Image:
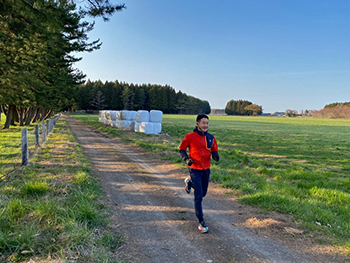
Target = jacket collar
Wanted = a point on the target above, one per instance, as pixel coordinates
(199, 132)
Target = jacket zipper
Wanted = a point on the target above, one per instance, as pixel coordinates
(203, 152)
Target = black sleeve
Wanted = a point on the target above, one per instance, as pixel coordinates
(184, 155)
(215, 156)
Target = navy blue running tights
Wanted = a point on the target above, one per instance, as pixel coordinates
(200, 182)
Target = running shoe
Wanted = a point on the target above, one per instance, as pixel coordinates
(188, 185)
(203, 227)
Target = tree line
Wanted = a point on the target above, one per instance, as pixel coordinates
(96, 95)
(337, 104)
(242, 107)
(37, 39)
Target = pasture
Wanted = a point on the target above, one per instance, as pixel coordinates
(296, 166)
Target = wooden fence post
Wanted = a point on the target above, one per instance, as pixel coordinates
(36, 132)
(25, 154)
(47, 128)
(43, 133)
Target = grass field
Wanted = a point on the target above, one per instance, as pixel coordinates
(51, 208)
(296, 166)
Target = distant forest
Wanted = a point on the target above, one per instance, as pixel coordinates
(96, 95)
(337, 104)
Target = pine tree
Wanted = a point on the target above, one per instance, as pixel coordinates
(37, 39)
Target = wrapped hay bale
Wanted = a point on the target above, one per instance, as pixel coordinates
(157, 127)
(142, 116)
(118, 124)
(133, 115)
(137, 127)
(125, 115)
(127, 125)
(155, 116)
(119, 115)
(146, 127)
(101, 114)
(114, 124)
(108, 114)
(113, 115)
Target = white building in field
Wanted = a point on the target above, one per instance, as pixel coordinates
(217, 112)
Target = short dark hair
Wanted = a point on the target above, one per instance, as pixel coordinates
(201, 116)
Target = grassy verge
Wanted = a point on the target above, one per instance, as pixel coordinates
(294, 166)
(10, 146)
(51, 210)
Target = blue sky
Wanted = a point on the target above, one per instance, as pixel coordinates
(281, 54)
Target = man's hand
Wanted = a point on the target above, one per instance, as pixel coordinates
(189, 161)
(215, 156)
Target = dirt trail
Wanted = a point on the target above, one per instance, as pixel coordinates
(151, 209)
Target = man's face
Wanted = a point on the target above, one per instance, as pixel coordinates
(203, 125)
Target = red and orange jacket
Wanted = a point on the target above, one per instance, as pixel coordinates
(201, 147)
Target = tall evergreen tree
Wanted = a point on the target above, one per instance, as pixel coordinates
(126, 97)
(37, 39)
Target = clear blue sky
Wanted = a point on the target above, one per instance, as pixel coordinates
(276, 53)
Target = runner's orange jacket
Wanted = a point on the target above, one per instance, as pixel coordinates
(201, 147)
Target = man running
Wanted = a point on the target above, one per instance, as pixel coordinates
(201, 146)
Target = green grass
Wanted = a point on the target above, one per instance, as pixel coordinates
(51, 208)
(10, 146)
(296, 166)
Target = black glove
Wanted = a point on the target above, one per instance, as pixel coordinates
(215, 156)
(189, 161)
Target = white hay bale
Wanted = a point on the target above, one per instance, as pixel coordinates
(108, 114)
(117, 124)
(137, 127)
(105, 121)
(119, 115)
(113, 115)
(133, 115)
(146, 127)
(157, 127)
(142, 116)
(124, 115)
(127, 125)
(155, 116)
(114, 124)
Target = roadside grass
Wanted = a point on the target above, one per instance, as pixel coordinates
(10, 146)
(296, 166)
(51, 209)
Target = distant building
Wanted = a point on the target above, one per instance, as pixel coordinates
(279, 113)
(217, 112)
(276, 114)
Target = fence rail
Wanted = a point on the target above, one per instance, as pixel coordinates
(22, 151)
